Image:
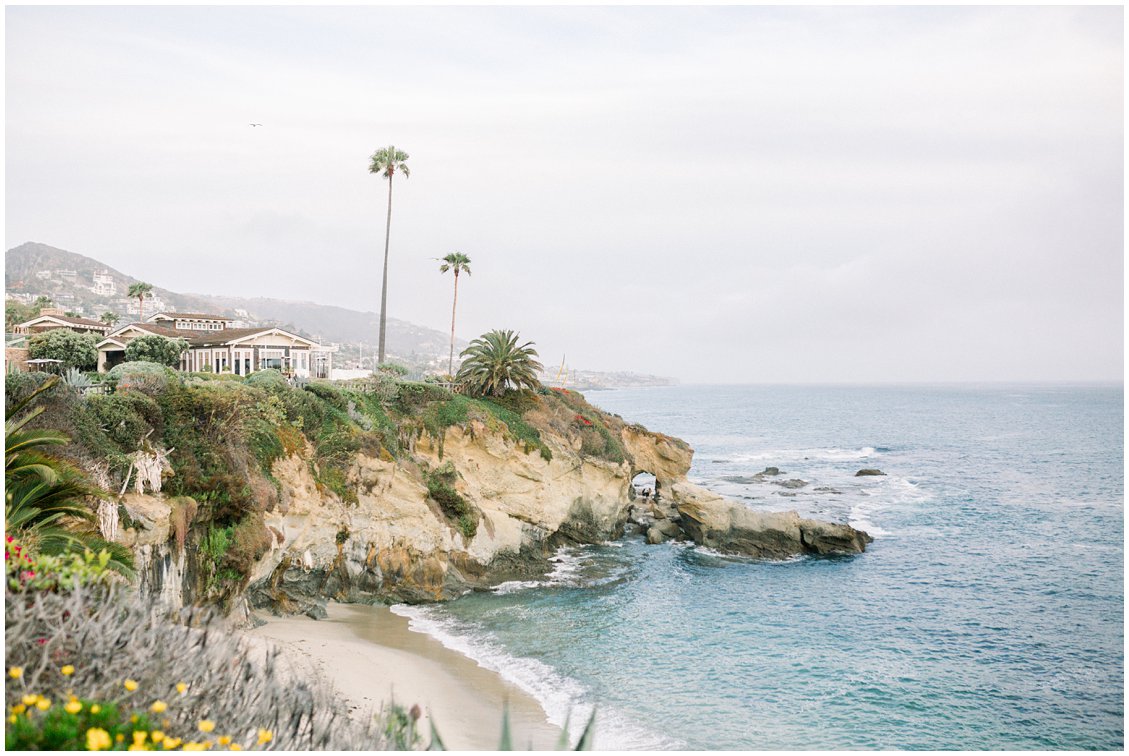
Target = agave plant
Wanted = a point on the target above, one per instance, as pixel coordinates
(77, 379)
(494, 363)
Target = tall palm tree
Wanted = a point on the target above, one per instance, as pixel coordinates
(387, 161)
(459, 263)
(140, 291)
(495, 362)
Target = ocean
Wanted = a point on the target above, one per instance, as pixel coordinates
(987, 614)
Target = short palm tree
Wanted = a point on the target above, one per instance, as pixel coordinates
(387, 161)
(109, 318)
(140, 291)
(44, 496)
(494, 362)
(459, 263)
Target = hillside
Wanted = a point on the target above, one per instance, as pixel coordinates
(34, 269)
(68, 279)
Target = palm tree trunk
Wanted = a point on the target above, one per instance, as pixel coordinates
(451, 358)
(384, 280)
(141, 309)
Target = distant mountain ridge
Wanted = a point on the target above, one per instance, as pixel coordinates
(68, 278)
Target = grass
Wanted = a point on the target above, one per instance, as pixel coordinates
(522, 431)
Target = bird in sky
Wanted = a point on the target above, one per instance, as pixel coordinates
(256, 124)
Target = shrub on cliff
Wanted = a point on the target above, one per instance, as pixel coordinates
(267, 379)
(443, 493)
(147, 377)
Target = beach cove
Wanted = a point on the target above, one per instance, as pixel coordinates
(371, 657)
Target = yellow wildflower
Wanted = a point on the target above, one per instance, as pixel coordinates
(139, 737)
(73, 707)
(224, 740)
(194, 746)
(43, 704)
(235, 747)
(30, 699)
(67, 671)
(181, 688)
(97, 739)
(157, 736)
(265, 736)
(158, 707)
(94, 709)
(15, 672)
(19, 709)
(130, 685)
(206, 725)
(119, 738)
(170, 744)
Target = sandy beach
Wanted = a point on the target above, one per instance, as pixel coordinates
(370, 656)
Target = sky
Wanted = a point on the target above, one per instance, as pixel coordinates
(720, 195)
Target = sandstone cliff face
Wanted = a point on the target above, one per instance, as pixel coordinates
(397, 543)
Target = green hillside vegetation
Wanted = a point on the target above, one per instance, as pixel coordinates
(226, 433)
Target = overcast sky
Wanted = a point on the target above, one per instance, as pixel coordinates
(716, 194)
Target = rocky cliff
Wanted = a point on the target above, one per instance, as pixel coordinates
(396, 543)
(392, 491)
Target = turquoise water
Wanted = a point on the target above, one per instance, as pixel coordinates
(987, 614)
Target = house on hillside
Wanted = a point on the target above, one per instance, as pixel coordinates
(216, 348)
(52, 318)
(104, 285)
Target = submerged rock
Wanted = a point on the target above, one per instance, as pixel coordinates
(793, 483)
(868, 471)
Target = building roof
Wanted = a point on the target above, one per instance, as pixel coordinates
(66, 320)
(205, 338)
(189, 316)
(230, 335)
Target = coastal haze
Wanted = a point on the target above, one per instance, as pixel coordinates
(715, 194)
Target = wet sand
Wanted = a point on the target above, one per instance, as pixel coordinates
(370, 656)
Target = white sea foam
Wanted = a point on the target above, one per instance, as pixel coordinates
(834, 454)
(567, 563)
(860, 520)
(884, 494)
(562, 698)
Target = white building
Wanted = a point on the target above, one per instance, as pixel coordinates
(214, 347)
(104, 285)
